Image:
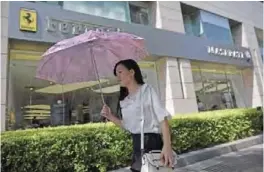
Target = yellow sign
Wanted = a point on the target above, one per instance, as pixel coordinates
(144, 64)
(28, 20)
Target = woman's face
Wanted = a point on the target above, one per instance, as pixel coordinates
(124, 75)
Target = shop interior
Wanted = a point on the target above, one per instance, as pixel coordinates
(218, 86)
(48, 101)
(31, 99)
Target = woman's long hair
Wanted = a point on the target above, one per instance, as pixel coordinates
(129, 64)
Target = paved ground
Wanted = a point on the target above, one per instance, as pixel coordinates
(246, 160)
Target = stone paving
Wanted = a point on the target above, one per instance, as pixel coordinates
(246, 160)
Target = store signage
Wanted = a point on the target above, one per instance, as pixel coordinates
(228, 52)
(28, 20)
(73, 27)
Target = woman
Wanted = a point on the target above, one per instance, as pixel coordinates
(133, 91)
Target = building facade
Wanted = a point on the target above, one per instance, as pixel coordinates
(203, 55)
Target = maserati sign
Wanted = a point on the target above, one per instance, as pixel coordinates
(228, 52)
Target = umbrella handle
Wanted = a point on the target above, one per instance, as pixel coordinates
(97, 74)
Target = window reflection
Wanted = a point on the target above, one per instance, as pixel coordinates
(139, 14)
(215, 27)
(201, 23)
(110, 9)
(192, 24)
(38, 103)
(54, 104)
(259, 34)
(48, 2)
(217, 86)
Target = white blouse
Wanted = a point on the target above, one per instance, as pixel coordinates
(153, 111)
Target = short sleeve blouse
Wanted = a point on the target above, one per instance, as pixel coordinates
(154, 112)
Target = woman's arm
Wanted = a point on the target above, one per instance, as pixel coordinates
(106, 112)
(115, 120)
(166, 154)
(162, 116)
(165, 129)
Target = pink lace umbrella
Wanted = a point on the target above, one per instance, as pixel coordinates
(89, 56)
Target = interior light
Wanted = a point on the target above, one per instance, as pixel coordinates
(110, 89)
(39, 106)
(59, 89)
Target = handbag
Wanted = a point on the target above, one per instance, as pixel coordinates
(151, 161)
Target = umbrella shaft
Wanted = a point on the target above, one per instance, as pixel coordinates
(97, 74)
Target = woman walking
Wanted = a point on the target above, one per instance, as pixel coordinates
(134, 93)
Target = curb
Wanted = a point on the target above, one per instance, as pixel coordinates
(208, 153)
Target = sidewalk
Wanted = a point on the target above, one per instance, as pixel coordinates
(245, 160)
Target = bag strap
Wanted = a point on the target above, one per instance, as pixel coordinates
(142, 124)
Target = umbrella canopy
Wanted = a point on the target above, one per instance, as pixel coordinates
(89, 56)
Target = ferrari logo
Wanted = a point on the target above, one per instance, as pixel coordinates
(28, 20)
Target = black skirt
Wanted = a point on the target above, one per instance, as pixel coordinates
(152, 141)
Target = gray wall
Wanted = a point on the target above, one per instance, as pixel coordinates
(159, 42)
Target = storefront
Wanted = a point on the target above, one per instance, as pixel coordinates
(180, 67)
(218, 86)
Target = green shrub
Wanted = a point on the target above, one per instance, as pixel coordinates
(196, 131)
(101, 147)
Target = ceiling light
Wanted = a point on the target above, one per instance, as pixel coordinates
(59, 89)
(110, 89)
(40, 106)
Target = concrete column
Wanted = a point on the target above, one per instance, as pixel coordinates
(4, 60)
(167, 15)
(253, 79)
(189, 97)
(175, 75)
(176, 85)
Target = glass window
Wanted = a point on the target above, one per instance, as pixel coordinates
(49, 2)
(52, 2)
(109, 9)
(262, 54)
(259, 34)
(188, 24)
(139, 14)
(216, 27)
(236, 85)
(54, 104)
(205, 24)
(192, 24)
(217, 86)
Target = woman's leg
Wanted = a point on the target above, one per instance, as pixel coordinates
(136, 157)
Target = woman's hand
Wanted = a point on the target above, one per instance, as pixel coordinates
(106, 112)
(167, 156)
